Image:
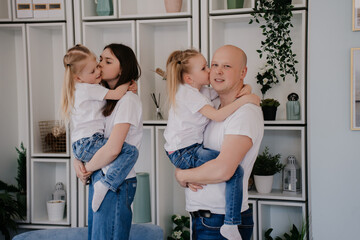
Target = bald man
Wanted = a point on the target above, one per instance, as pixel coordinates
(237, 138)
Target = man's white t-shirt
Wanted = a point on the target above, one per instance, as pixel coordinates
(127, 110)
(186, 125)
(247, 121)
(86, 115)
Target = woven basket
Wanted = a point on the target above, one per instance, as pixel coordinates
(53, 136)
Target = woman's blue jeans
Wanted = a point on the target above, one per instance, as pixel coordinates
(113, 218)
(209, 228)
(195, 156)
(85, 148)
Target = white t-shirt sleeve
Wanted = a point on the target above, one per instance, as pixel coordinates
(242, 123)
(195, 100)
(129, 113)
(92, 91)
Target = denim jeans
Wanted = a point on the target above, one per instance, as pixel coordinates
(196, 155)
(113, 218)
(209, 228)
(85, 148)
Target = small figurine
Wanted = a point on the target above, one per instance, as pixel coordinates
(293, 107)
(59, 193)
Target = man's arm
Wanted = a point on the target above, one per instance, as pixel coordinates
(221, 169)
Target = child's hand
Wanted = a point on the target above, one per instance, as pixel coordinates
(133, 87)
(246, 89)
(252, 98)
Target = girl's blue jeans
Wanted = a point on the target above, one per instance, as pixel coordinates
(196, 155)
(113, 219)
(85, 148)
(209, 228)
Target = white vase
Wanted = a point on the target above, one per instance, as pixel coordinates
(55, 209)
(264, 183)
(173, 5)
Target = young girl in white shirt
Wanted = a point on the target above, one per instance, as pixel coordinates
(187, 76)
(82, 101)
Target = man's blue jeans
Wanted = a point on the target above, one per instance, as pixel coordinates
(195, 156)
(113, 219)
(209, 228)
(85, 148)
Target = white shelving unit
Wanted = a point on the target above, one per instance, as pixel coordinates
(96, 35)
(14, 96)
(227, 29)
(170, 197)
(5, 11)
(45, 173)
(286, 141)
(154, 36)
(280, 216)
(47, 43)
(46, 15)
(253, 205)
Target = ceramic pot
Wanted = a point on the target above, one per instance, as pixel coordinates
(172, 6)
(55, 209)
(269, 112)
(142, 206)
(104, 7)
(231, 4)
(263, 184)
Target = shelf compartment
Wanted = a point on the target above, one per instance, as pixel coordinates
(5, 10)
(45, 173)
(46, 48)
(220, 7)
(146, 163)
(97, 35)
(280, 216)
(150, 9)
(156, 39)
(14, 96)
(236, 30)
(170, 196)
(88, 10)
(286, 141)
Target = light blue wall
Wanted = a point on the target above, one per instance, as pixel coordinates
(334, 150)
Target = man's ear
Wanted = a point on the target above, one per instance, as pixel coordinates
(243, 72)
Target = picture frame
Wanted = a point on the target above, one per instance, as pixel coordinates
(355, 89)
(356, 15)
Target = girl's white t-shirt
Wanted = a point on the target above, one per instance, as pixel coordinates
(247, 121)
(86, 115)
(186, 125)
(127, 110)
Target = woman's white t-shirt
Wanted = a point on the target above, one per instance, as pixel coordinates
(86, 115)
(127, 110)
(186, 125)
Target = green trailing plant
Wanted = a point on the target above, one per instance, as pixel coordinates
(266, 79)
(269, 102)
(275, 17)
(21, 171)
(267, 164)
(181, 229)
(294, 234)
(9, 210)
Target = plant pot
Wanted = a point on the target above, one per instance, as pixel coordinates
(142, 206)
(55, 209)
(231, 4)
(269, 112)
(263, 184)
(104, 7)
(173, 5)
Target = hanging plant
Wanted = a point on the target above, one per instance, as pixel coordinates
(276, 15)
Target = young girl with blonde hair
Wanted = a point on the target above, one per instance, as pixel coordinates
(82, 101)
(187, 76)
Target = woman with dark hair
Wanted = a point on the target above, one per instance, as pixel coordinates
(118, 65)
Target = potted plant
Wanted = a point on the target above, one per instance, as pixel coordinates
(10, 209)
(293, 235)
(265, 167)
(181, 229)
(275, 17)
(269, 107)
(21, 177)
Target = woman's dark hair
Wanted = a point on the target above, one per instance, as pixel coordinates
(130, 70)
